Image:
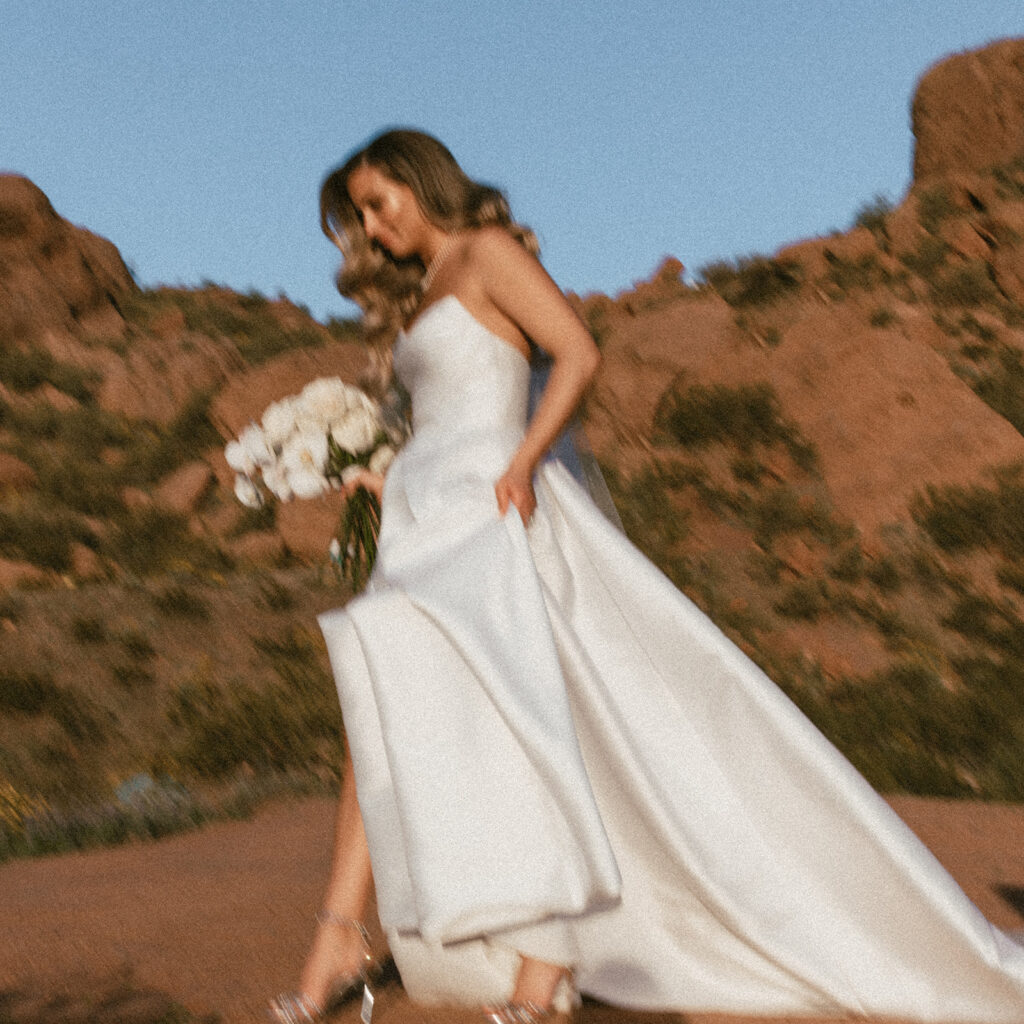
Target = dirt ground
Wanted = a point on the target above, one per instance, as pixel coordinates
(217, 920)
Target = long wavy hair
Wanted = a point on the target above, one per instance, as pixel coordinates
(385, 288)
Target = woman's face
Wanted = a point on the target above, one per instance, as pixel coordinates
(390, 215)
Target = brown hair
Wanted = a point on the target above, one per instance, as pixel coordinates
(388, 289)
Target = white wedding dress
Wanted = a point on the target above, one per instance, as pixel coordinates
(556, 752)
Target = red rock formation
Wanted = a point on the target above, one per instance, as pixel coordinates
(51, 272)
(968, 112)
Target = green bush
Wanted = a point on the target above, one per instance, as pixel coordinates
(1003, 389)
(967, 285)
(961, 518)
(872, 214)
(752, 280)
(804, 601)
(934, 206)
(927, 258)
(182, 602)
(746, 416)
(865, 272)
(89, 629)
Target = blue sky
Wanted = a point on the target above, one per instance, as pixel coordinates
(194, 133)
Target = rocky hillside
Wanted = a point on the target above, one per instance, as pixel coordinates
(823, 447)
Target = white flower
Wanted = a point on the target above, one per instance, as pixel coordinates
(350, 473)
(381, 459)
(279, 422)
(275, 478)
(327, 400)
(303, 458)
(335, 549)
(247, 492)
(357, 432)
(238, 458)
(255, 444)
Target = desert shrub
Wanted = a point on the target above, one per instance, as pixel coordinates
(882, 317)
(804, 601)
(961, 518)
(294, 724)
(934, 206)
(752, 280)
(1011, 576)
(780, 511)
(746, 416)
(182, 602)
(137, 645)
(82, 484)
(158, 451)
(131, 676)
(884, 575)
(748, 469)
(89, 629)
(967, 285)
(11, 607)
(873, 213)
(344, 329)
(275, 595)
(648, 515)
(865, 272)
(1003, 389)
(254, 520)
(41, 537)
(848, 565)
(925, 261)
(1010, 179)
(905, 731)
(24, 369)
(151, 540)
(971, 324)
(29, 693)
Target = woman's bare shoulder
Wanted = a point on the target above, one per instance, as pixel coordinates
(493, 242)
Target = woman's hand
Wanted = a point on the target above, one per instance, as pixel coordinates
(515, 487)
(356, 476)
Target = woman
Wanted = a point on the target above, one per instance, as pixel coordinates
(564, 770)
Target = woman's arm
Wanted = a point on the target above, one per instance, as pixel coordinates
(522, 290)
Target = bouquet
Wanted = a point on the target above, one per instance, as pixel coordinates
(312, 443)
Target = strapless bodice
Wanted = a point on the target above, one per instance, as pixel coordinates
(463, 379)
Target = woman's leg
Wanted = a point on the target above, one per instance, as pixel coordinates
(537, 981)
(338, 949)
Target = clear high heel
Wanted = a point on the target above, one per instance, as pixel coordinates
(298, 1008)
(528, 1013)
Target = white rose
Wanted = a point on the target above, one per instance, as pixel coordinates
(238, 458)
(303, 458)
(357, 432)
(279, 422)
(276, 479)
(381, 459)
(247, 492)
(255, 444)
(327, 400)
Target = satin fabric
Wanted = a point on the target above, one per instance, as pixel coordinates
(557, 753)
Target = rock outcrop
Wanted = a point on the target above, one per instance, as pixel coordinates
(52, 274)
(968, 112)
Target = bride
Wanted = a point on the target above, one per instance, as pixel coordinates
(564, 776)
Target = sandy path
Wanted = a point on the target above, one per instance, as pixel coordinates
(219, 918)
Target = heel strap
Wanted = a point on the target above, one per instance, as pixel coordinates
(325, 916)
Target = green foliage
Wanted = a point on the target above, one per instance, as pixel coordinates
(746, 416)
(1003, 388)
(28, 693)
(41, 537)
(752, 280)
(872, 214)
(961, 518)
(906, 731)
(864, 272)
(781, 511)
(294, 724)
(150, 540)
(925, 261)
(967, 285)
(258, 328)
(89, 629)
(804, 601)
(24, 369)
(182, 602)
(934, 206)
